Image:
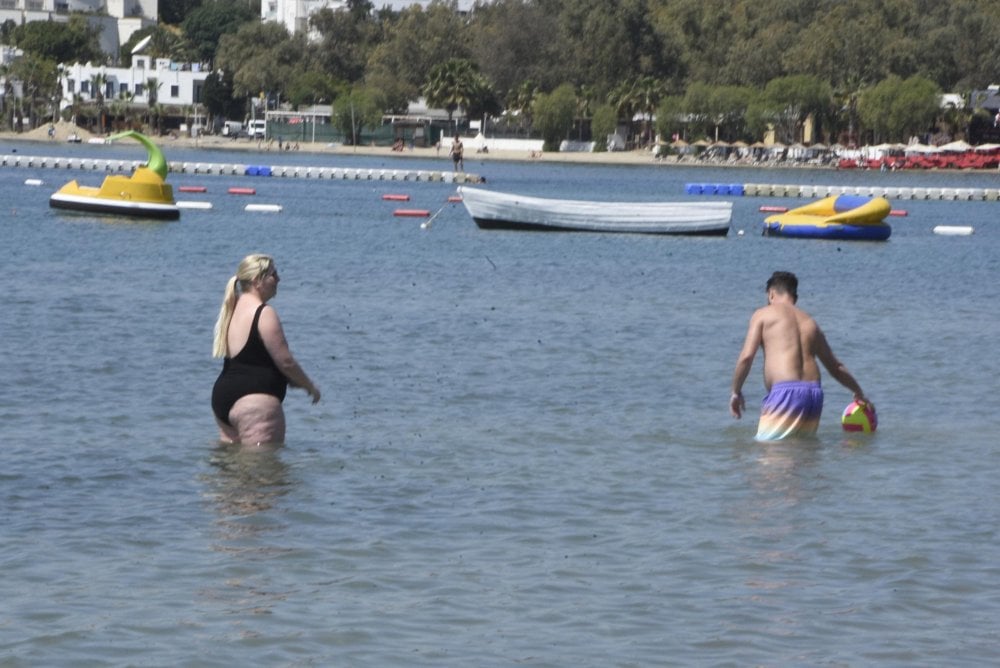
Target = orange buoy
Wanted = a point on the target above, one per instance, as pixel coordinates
(412, 213)
(192, 189)
(897, 212)
(773, 209)
(242, 191)
(396, 198)
(455, 198)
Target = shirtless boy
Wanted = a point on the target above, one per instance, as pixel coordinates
(792, 342)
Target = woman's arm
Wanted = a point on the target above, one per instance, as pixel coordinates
(273, 336)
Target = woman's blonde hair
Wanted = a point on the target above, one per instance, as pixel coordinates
(251, 268)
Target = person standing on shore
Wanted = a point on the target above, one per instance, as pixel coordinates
(248, 393)
(457, 149)
(792, 342)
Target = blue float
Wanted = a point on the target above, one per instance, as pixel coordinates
(726, 189)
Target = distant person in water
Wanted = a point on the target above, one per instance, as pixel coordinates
(248, 393)
(792, 342)
(457, 151)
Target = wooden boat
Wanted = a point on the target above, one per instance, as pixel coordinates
(496, 210)
(144, 194)
(842, 217)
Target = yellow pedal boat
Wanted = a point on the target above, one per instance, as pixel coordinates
(144, 194)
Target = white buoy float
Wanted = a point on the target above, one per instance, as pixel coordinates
(32, 182)
(189, 204)
(263, 208)
(954, 230)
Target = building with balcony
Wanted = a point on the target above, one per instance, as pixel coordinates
(179, 86)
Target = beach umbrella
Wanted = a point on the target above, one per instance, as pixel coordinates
(956, 146)
(740, 144)
(986, 148)
(678, 143)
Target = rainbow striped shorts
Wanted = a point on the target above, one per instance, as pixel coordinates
(790, 409)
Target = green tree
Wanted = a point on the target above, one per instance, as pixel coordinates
(152, 87)
(311, 87)
(514, 42)
(262, 59)
(355, 110)
(895, 109)
(603, 124)
(414, 42)
(74, 41)
(217, 96)
(671, 117)
(452, 85)
(554, 114)
(786, 102)
(348, 39)
(98, 86)
(39, 85)
(204, 27)
(164, 43)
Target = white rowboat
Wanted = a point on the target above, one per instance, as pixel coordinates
(496, 210)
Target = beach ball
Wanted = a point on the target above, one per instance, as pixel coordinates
(859, 417)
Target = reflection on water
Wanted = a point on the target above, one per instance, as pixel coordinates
(780, 479)
(246, 487)
(779, 470)
(246, 481)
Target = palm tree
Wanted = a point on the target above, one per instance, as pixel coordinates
(452, 84)
(152, 97)
(585, 96)
(625, 101)
(97, 84)
(521, 101)
(648, 92)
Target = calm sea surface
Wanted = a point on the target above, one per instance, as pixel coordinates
(523, 455)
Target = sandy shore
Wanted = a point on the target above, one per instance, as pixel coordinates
(63, 130)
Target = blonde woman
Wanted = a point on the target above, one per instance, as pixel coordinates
(247, 395)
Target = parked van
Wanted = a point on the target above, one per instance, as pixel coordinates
(257, 129)
(232, 129)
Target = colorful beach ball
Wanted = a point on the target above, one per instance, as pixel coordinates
(859, 417)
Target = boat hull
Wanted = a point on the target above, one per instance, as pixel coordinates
(501, 211)
(142, 195)
(115, 207)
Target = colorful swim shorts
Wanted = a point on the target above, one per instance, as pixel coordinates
(790, 409)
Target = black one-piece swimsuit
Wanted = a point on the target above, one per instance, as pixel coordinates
(252, 371)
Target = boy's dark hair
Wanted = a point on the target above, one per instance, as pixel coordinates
(786, 282)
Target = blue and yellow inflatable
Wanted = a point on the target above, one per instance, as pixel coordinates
(850, 217)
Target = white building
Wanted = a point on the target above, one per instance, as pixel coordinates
(117, 19)
(178, 84)
(294, 14)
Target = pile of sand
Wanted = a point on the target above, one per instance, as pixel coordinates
(63, 129)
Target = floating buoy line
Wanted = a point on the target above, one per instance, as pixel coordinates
(239, 169)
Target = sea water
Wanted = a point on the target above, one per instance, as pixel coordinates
(523, 455)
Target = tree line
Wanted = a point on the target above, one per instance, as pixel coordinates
(862, 70)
